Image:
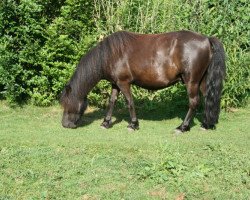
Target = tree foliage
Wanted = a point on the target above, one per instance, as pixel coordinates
(41, 41)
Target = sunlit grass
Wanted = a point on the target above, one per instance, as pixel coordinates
(41, 160)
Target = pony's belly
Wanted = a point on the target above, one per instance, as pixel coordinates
(155, 84)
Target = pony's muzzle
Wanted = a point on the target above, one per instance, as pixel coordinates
(69, 125)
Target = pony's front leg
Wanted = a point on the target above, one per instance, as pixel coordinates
(125, 89)
(107, 122)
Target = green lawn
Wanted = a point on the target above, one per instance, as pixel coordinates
(39, 159)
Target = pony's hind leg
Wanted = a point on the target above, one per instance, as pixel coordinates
(107, 122)
(193, 93)
(125, 89)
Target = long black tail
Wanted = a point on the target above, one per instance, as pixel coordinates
(214, 83)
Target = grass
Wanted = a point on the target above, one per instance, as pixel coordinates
(41, 160)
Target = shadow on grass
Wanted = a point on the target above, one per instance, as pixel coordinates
(177, 107)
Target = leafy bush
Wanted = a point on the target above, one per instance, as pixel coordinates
(69, 36)
(22, 33)
(42, 41)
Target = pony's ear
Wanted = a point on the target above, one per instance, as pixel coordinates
(68, 89)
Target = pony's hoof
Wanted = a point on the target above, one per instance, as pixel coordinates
(133, 126)
(131, 129)
(182, 129)
(106, 124)
(203, 129)
(206, 127)
(178, 132)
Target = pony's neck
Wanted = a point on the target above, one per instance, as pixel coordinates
(94, 65)
(88, 73)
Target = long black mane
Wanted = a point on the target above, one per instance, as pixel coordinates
(93, 65)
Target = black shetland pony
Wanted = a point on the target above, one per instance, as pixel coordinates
(151, 61)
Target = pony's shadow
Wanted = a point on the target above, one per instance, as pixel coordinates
(177, 107)
(90, 117)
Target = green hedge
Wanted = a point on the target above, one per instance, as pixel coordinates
(41, 41)
(40, 44)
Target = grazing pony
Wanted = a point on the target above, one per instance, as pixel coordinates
(151, 61)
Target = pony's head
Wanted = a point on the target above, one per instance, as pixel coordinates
(74, 107)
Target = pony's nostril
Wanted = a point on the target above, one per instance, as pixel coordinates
(69, 125)
(72, 125)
